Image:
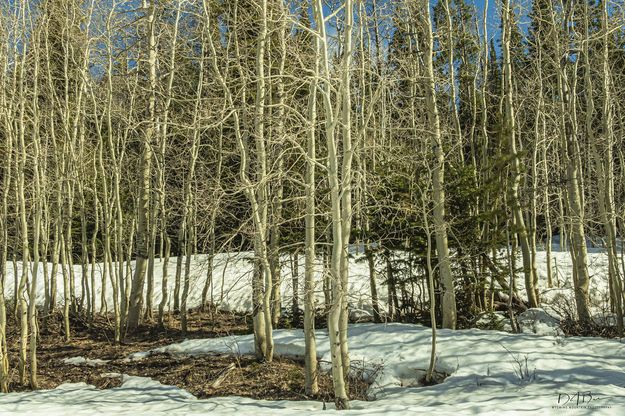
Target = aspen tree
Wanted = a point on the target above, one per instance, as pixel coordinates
(340, 192)
(66, 83)
(164, 128)
(53, 139)
(213, 215)
(263, 331)
(96, 231)
(277, 188)
(112, 214)
(178, 275)
(81, 160)
(259, 199)
(188, 194)
(605, 162)
(541, 126)
(36, 226)
(126, 225)
(346, 178)
(310, 342)
(72, 100)
(21, 161)
(143, 230)
(509, 131)
(484, 128)
(438, 173)
(451, 64)
(370, 255)
(97, 204)
(567, 88)
(5, 120)
(431, 294)
(45, 231)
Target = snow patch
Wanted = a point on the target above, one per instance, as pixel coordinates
(84, 361)
(538, 321)
(490, 372)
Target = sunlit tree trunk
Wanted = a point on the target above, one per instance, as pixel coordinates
(143, 230)
(339, 180)
(509, 131)
(567, 90)
(310, 353)
(438, 175)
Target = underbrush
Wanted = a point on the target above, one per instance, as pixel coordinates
(571, 326)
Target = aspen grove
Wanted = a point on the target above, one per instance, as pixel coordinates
(455, 151)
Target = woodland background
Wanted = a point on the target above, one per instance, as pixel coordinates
(149, 130)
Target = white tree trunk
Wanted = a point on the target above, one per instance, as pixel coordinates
(438, 176)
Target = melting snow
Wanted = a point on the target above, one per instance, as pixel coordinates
(491, 372)
(84, 361)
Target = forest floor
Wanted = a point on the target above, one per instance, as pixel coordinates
(92, 357)
(485, 372)
(552, 367)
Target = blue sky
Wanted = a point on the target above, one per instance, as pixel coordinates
(491, 7)
(493, 19)
(493, 16)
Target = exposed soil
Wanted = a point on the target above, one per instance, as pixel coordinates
(206, 376)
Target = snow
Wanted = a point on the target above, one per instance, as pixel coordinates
(538, 321)
(490, 372)
(231, 280)
(532, 321)
(84, 361)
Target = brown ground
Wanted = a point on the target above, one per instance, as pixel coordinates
(282, 379)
